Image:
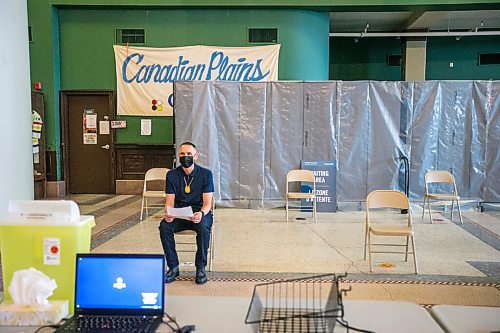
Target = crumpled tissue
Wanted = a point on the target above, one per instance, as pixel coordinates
(29, 290)
(31, 287)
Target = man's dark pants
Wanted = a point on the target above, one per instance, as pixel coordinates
(202, 229)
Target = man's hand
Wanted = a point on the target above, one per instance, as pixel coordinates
(168, 218)
(169, 202)
(197, 217)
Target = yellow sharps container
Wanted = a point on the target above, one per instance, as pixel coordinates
(45, 235)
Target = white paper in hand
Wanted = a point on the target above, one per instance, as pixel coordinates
(185, 213)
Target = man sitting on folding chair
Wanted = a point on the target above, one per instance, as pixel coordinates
(188, 185)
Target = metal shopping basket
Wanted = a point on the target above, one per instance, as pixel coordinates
(305, 305)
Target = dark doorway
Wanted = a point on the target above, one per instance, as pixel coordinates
(88, 141)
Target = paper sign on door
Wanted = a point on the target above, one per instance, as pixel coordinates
(89, 127)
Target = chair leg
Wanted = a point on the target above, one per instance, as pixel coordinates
(366, 237)
(142, 207)
(452, 204)
(459, 212)
(370, 251)
(210, 259)
(212, 244)
(423, 207)
(406, 254)
(429, 206)
(209, 254)
(414, 254)
(286, 205)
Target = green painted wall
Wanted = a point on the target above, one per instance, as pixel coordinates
(464, 55)
(68, 34)
(87, 37)
(364, 60)
(44, 59)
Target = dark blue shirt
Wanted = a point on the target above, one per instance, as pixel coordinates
(200, 181)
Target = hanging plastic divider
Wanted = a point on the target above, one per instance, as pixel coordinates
(287, 127)
(228, 122)
(199, 126)
(385, 141)
(491, 188)
(478, 139)
(424, 134)
(319, 138)
(253, 99)
(320, 109)
(405, 121)
(354, 138)
(454, 145)
(183, 109)
(251, 134)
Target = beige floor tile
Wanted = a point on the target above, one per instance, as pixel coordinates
(89, 209)
(110, 219)
(485, 220)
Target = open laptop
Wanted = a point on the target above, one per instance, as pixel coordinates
(117, 293)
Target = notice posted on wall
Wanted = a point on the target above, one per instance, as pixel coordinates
(145, 126)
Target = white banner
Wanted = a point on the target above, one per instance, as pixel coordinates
(144, 75)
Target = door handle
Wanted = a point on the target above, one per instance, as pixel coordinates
(105, 147)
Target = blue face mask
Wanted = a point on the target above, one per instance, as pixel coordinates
(186, 161)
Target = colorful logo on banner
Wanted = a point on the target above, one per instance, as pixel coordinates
(145, 75)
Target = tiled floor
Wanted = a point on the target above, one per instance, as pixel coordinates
(457, 264)
(261, 241)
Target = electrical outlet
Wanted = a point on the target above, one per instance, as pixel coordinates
(451, 64)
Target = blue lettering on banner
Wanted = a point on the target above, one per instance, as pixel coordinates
(171, 100)
(220, 67)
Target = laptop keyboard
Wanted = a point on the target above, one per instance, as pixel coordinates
(128, 324)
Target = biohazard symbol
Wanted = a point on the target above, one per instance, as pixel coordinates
(54, 249)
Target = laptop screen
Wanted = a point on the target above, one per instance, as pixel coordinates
(119, 283)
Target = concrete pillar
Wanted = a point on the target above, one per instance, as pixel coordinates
(16, 158)
(414, 59)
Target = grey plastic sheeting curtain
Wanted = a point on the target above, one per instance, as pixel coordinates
(251, 134)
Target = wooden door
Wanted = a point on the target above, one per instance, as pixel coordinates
(88, 141)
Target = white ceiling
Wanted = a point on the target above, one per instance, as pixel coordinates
(401, 21)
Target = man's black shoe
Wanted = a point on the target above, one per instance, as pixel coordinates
(172, 274)
(201, 276)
